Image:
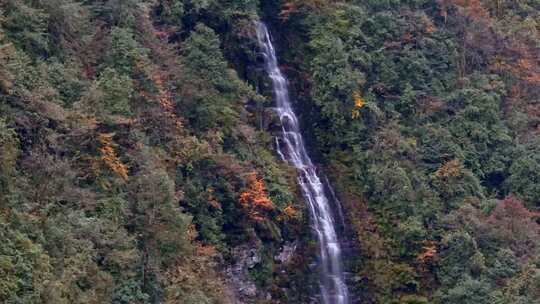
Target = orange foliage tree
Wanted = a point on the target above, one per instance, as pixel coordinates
(290, 211)
(255, 199)
(429, 253)
(165, 98)
(358, 103)
(109, 157)
(452, 168)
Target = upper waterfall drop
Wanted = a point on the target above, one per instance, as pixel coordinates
(291, 147)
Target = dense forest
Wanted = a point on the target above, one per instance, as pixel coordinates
(138, 161)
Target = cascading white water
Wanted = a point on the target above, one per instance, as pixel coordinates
(291, 148)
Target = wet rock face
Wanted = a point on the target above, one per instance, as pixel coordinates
(245, 258)
(287, 253)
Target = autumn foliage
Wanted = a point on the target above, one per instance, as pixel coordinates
(109, 156)
(473, 7)
(358, 104)
(514, 56)
(449, 169)
(165, 98)
(137, 162)
(429, 253)
(516, 225)
(255, 199)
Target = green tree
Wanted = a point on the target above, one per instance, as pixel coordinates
(159, 220)
(216, 91)
(203, 57)
(457, 257)
(125, 54)
(117, 12)
(334, 83)
(26, 25)
(471, 291)
(24, 266)
(524, 176)
(110, 94)
(9, 151)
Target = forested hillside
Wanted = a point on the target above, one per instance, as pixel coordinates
(138, 160)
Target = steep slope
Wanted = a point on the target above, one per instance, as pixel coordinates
(290, 146)
(413, 107)
(135, 168)
(138, 160)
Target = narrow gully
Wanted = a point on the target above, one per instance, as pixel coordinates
(291, 148)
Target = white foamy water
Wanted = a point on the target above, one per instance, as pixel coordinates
(291, 148)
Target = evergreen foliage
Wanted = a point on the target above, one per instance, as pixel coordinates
(137, 160)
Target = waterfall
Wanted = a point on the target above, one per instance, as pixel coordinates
(291, 148)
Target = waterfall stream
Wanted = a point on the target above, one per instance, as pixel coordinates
(291, 148)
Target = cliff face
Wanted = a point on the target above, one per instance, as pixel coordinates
(138, 162)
